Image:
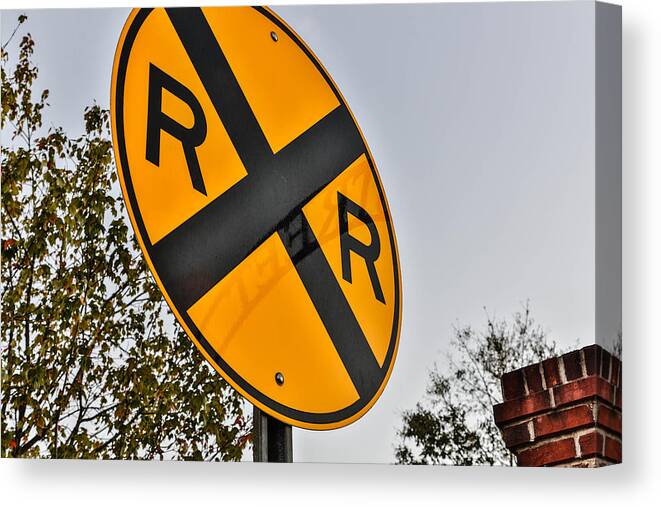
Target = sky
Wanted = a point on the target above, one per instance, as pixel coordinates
(480, 118)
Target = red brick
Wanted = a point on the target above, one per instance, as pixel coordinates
(517, 435)
(522, 407)
(591, 444)
(618, 397)
(615, 372)
(548, 454)
(563, 420)
(609, 419)
(551, 372)
(512, 384)
(592, 356)
(533, 378)
(583, 389)
(613, 450)
(572, 362)
(605, 365)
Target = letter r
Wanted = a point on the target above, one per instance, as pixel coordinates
(370, 253)
(157, 120)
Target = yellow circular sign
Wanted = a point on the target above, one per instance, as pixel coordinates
(258, 208)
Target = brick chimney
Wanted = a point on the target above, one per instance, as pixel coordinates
(564, 411)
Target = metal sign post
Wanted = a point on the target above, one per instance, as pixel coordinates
(272, 441)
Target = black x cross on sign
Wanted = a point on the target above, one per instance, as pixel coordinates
(202, 250)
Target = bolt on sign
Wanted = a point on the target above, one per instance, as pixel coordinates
(258, 208)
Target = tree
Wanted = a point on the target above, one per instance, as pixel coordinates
(94, 365)
(454, 423)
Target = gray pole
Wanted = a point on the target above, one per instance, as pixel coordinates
(272, 441)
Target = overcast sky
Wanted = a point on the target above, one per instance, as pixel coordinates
(481, 122)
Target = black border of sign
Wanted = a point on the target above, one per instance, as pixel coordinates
(297, 415)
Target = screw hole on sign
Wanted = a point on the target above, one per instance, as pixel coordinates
(279, 378)
(274, 36)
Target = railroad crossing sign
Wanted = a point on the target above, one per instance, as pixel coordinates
(258, 208)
